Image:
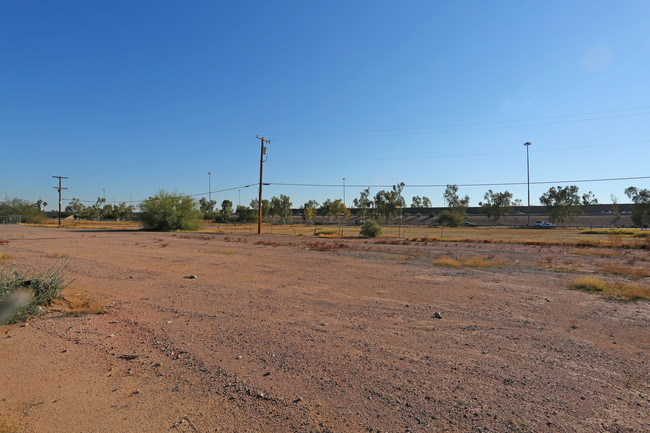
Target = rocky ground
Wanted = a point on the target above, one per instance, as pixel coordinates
(297, 334)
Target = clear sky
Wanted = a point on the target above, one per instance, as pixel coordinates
(129, 97)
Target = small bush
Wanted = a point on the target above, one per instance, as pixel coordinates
(24, 291)
(167, 211)
(370, 229)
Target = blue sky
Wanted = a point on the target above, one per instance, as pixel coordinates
(129, 97)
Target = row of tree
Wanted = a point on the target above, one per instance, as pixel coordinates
(562, 204)
(100, 210)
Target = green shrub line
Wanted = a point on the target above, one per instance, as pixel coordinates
(24, 291)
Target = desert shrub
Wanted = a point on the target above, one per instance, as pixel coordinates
(370, 229)
(450, 218)
(167, 211)
(24, 291)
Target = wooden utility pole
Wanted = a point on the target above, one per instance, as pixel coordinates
(259, 204)
(59, 188)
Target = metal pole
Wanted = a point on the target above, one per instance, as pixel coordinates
(528, 143)
(259, 205)
(344, 192)
(210, 191)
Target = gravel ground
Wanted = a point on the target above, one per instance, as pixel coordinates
(296, 334)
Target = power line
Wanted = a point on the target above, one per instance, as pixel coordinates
(465, 185)
(455, 125)
(448, 131)
(465, 155)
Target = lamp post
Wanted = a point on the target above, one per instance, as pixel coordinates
(343, 191)
(210, 191)
(527, 144)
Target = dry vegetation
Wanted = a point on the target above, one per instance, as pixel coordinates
(79, 304)
(621, 290)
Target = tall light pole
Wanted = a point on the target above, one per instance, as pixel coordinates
(344, 192)
(527, 144)
(239, 202)
(210, 191)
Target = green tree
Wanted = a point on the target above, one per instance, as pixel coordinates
(561, 203)
(326, 209)
(497, 205)
(76, 208)
(339, 209)
(281, 206)
(363, 203)
(335, 208)
(455, 205)
(266, 208)
(207, 207)
(29, 211)
(426, 203)
(170, 211)
(416, 201)
(246, 214)
(309, 211)
(387, 202)
(589, 198)
(226, 210)
(123, 211)
(641, 208)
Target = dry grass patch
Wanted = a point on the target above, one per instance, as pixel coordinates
(5, 257)
(222, 252)
(620, 269)
(595, 252)
(471, 262)
(80, 304)
(57, 256)
(620, 290)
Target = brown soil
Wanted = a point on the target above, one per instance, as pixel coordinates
(297, 334)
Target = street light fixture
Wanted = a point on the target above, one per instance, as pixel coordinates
(527, 144)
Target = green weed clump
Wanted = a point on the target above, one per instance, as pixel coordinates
(370, 229)
(620, 290)
(24, 291)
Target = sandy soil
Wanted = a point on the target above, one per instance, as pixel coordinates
(311, 335)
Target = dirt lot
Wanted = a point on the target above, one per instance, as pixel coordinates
(299, 334)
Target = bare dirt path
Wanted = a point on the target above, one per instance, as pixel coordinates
(307, 335)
